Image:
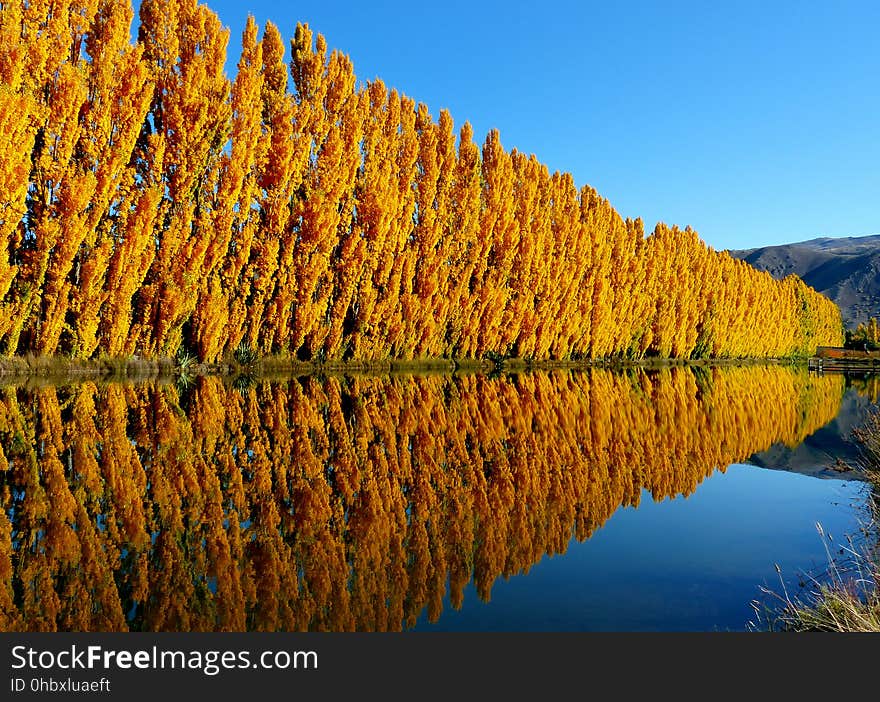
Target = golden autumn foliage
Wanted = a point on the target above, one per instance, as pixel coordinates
(149, 204)
(866, 335)
(347, 503)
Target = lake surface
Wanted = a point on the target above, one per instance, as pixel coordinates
(544, 501)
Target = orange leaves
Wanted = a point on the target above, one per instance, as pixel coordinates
(18, 128)
(148, 203)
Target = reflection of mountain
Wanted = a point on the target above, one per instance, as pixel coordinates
(347, 503)
(818, 454)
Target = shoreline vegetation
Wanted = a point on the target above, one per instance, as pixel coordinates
(63, 369)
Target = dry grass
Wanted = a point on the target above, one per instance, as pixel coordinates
(835, 609)
(846, 599)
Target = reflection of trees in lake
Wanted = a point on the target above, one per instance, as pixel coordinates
(347, 503)
(867, 386)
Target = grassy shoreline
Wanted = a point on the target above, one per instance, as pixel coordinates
(59, 368)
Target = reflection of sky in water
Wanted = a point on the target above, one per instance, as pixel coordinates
(688, 564)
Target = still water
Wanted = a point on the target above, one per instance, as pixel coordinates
(547, 501)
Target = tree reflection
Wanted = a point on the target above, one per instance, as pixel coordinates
(353, 503)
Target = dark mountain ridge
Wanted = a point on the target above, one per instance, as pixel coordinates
(846, 269)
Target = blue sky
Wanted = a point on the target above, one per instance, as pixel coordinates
(754, 122)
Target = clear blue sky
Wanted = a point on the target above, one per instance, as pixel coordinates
(754, 122)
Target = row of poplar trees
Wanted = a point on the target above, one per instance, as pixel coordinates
(149, 204)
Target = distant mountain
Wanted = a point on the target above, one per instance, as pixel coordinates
(847, 270)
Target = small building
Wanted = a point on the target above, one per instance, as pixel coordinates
(838, 352)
